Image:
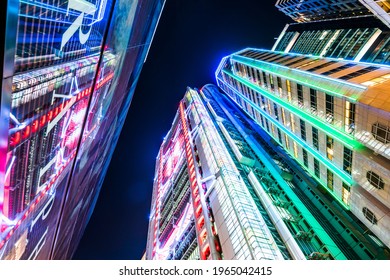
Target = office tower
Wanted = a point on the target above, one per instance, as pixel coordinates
(319, 10)
(354, 30)
(69, 71)
(224, 189)
(332, 116)
(313, 10)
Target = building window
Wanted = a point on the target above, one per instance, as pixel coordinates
(279, 81)
(257, 76)
(338, 69)
(276, 112)
(359, 73)
(329, 147)
(262, 120)
(317, 168)
(346, 193)
(370, 216)
(315, 137)
(288, 86)
(236, 68)
(269, 107)
(347, 162)
(262, 102)
(247, 71)
(271, 81)
(313, 100)
(321, 66)
(287, 142)
(296, 61)
(381, 133)
(267, 125)
(264, 79)
(279, 136)
(350, 117)
(304, 155)
(375, 180)
(292, 122)
(329, 108)
(303, 129)
(329, 179)
(295, 149)
(283, 116)
(300, 95)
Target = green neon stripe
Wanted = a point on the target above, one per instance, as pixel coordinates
(331, 87)
(346, 139)
(344, 176)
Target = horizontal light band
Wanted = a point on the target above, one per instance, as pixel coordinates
(347, 140)
(336, 82)
(346, 178)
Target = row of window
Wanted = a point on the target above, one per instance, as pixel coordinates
(266, 80)
(266, 106)
(374, 179)
(289, 60)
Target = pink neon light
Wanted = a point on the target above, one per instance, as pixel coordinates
(16, 137)
(34, 203)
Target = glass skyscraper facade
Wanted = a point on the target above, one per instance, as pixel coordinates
(69, 72)
(224, 189)
(331, 116)
(322, 10)
(354, 30)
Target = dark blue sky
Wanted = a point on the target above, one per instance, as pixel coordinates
(192, 37)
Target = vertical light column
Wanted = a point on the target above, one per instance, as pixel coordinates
(201, 213)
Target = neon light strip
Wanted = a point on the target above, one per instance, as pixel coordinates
(346, 139)
(221, 64)
(37, 199)
(262, 65)
(33, 126)
(322, 57)
(192, 175)
(105, 80)
(346, 178)
(50, 115)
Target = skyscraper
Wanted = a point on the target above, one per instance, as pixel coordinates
(223, 189)
(332, 116)
(312, 10)
(64, 63)
(320, 10)
(350, 29)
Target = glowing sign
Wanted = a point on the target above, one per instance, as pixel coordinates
(85, 8)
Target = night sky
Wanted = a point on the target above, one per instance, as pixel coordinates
(191, 39)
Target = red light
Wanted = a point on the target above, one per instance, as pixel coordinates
(15, 138)
(43, 120)
(57, 110)
(206, 252)
(26, 132)
(198, 211)
(35, 126)
(50, 115)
